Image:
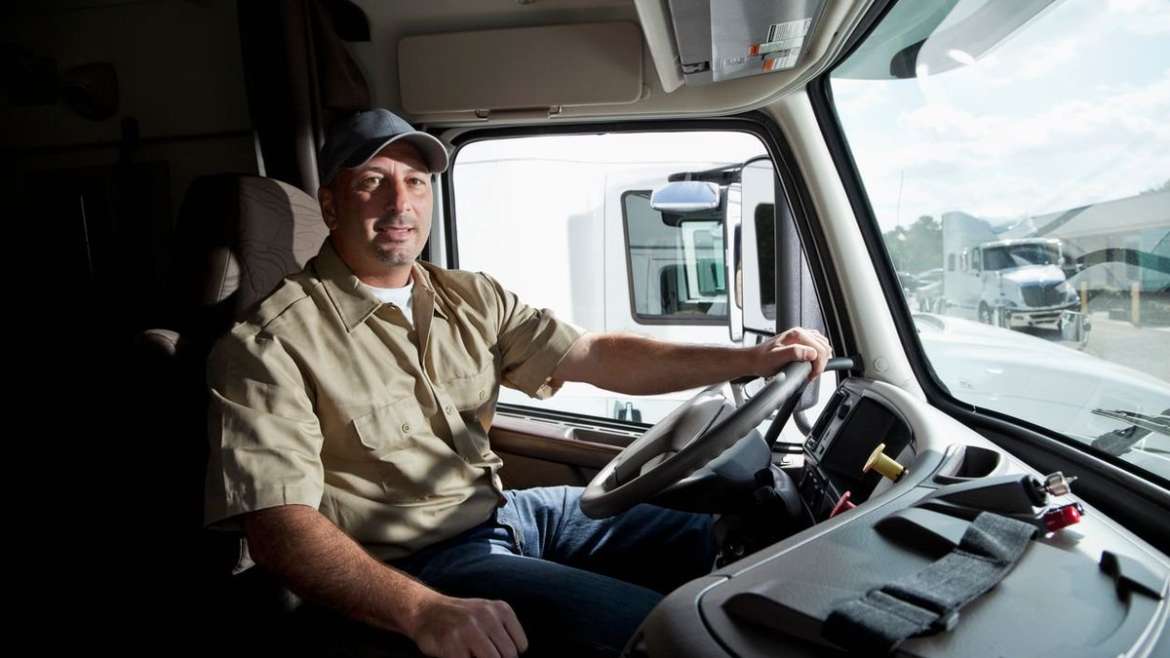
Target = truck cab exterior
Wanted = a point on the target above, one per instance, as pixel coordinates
(1015, 283)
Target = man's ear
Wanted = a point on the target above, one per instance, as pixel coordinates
(328, 209)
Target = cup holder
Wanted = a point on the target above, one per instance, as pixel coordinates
(972, 462)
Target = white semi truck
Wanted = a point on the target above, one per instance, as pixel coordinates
(1015, 283)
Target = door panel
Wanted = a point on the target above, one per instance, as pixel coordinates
(539, 453)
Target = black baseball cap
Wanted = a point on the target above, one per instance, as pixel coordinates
(354, 139)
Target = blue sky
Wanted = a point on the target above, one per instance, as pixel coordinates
(1072, 109)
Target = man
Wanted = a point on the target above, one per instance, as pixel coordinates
(349, 425)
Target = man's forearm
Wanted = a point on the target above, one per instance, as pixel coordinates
(324, 565)
(635, 365)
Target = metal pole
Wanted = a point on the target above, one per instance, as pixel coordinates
(1135, 300)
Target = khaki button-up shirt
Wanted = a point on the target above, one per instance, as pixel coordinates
(328, 398)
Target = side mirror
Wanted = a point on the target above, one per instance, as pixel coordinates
(676, 200)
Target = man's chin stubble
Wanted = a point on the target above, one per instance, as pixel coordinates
(392, 257)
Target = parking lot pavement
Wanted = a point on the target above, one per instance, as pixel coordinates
(1143, 348)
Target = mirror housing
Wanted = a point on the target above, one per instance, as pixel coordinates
(678, 199)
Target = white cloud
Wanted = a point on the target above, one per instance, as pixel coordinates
(1143, 17)
(940, 157)
(860, 93)
(1064, 113)
(1133, 6)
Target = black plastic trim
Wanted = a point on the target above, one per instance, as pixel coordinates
(449, 232)
(569, 418)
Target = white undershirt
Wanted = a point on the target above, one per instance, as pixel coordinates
(399, 297)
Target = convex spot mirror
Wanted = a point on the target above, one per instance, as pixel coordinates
(679, 199)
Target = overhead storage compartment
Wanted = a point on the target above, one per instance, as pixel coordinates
(532, 68)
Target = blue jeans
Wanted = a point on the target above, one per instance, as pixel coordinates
(579, 586)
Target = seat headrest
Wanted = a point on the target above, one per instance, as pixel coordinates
(239, 235)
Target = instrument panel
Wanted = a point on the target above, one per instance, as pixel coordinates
(851, 426)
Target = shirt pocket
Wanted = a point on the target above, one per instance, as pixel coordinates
(390, 427)
(471, 393)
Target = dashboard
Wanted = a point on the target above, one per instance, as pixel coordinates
(1085, 588)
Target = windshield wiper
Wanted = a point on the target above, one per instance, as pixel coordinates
(1121, 441)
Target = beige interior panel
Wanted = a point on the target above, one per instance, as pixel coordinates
(539, 454)
(523, 472)
(873, 325)
(522, 68)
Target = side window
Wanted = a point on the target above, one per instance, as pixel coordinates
(676, 266)
(566, 223)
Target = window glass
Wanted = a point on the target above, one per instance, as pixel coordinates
(565, 222)
(1026, 148)
(676, 269)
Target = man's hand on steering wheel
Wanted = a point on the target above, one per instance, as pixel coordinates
(796, 344)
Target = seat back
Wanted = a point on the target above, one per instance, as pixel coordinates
(237, 237)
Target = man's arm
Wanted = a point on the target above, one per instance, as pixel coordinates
(636, 365)
(322, 564)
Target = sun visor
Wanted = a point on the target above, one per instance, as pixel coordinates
(728, 39)
(535, 68)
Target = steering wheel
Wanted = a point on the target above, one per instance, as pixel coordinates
(690, 437)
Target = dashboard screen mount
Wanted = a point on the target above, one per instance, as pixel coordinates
(868, 424)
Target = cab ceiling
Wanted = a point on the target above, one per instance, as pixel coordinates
(479, 81)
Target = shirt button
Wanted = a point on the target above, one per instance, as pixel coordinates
(406, 427)
(482, 394)
(449, 409)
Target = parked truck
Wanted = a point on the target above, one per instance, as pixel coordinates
(1013, 283)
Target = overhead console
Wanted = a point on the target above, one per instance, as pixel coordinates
(538, 70)
(648, 58)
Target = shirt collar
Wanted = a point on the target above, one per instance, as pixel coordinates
(353, 302)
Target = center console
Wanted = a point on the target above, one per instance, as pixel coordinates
(851, 426)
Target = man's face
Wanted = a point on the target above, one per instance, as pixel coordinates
(379, 214)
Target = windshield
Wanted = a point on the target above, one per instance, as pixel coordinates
(977, 124)
(1019, 255)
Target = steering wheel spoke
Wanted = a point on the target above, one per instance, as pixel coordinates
(691, 436)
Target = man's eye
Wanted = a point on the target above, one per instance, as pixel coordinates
(369, 183)
(416, 181)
